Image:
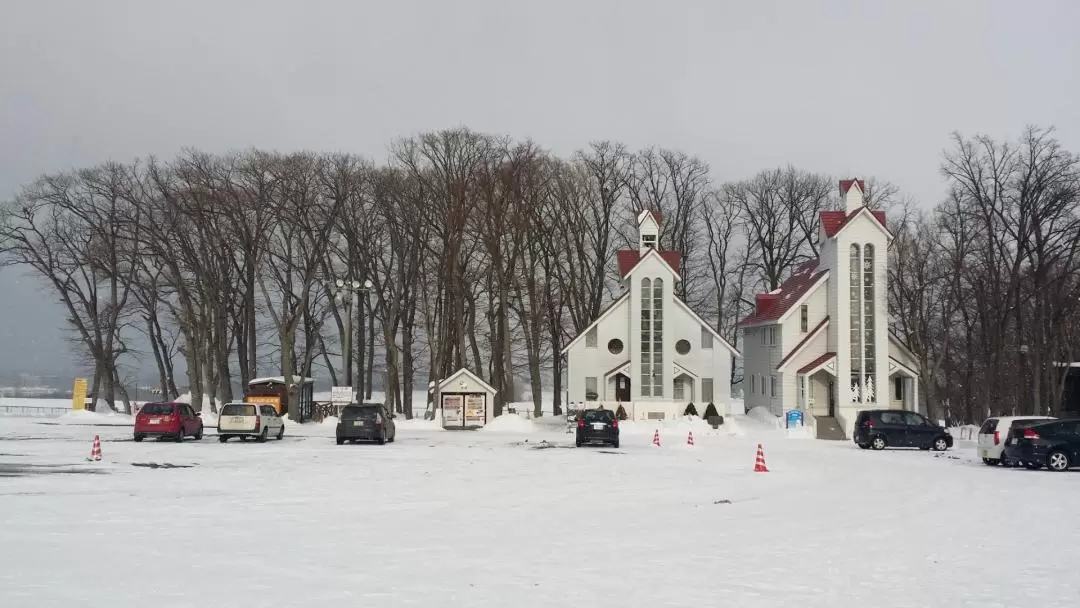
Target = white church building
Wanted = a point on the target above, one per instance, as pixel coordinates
(648, 351)
(820, 343)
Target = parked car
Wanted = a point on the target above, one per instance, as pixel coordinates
(366, 422)
(995, 432)
(1054, 445)
(249, 420)
(173, 420)
(597, 426)
(879, 429)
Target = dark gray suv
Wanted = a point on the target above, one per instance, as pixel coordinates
(366, 422)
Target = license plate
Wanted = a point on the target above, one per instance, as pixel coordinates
(155, 422)
(1014, 441)
(358, 423)
(598, 426)
(237, 419)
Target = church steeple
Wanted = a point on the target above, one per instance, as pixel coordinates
(648, 231)
(853, 191)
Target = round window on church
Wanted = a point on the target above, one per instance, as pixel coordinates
(682, 347)
(615, 346)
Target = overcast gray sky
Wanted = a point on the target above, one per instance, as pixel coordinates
(842, 87)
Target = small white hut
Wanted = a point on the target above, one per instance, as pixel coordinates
(467, 402)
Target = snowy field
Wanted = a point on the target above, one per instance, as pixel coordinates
(513, 515)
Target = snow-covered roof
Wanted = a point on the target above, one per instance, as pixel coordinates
(475, 378)
(280, 380)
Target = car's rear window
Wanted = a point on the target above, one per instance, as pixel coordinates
(361, 412)
(157, 409)
(989, 426)
(238, 409)
(599, 416)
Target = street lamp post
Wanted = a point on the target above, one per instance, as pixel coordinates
(346, 288)
(360, 381)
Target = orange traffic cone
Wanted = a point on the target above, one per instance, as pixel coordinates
(690, 439)
(759, 462)
(656, 438)
(95, 452)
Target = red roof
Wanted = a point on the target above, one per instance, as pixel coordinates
(787, 294)
(816, 362)
(628, 259)
(845, 185)
(834, 221)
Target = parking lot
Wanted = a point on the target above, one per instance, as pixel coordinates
(491, 518)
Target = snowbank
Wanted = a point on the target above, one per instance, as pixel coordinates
(101, 418)
(511, 423)
(763, 415)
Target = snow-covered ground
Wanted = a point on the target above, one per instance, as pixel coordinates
(513, 515)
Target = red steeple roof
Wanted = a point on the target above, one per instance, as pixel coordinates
(628, 260)
(771, 306)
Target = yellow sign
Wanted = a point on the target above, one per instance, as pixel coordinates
(273, 400)
(78, 394)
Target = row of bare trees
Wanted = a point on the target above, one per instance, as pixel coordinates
(489, 253)
(986, 286)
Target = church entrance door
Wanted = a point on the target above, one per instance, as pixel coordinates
(622, 388)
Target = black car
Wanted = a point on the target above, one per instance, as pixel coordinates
(879, 429)
(597, 426)
(366, 422)
(1054, 445)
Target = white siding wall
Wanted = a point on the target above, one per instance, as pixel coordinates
(584, 362)
(817, 304)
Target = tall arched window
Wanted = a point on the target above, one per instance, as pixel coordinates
(658, 338)
(868, 315)
(646, 338)
(854, 310)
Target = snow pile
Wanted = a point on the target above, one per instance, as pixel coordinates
(678, 426)
(510, 423)
(763, 415)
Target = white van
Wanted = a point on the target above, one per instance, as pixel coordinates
(995, 431)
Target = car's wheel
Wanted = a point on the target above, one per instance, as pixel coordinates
(865, 446)
(878, 442)
(991, 462)
(223, 438)
(198, 434)
(382, 438)
(138, 437)
(340, 441)
(1058, 461)
(577, 443)
(940, 444)
(281, 433)
(179, 436)
(262, 436)
(616, 444)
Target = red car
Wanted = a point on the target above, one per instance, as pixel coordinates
(173, 420)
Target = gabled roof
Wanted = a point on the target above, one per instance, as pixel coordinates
(279, 380)
(617, 368)
(835, 221)
(814, 365)
(603, 315)
(802, 343)
(465, 372)
(656, 215)
(715, 334)
(788, 295)
(628, 260)
(903, 367)
(846, 184)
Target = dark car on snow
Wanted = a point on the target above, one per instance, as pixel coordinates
(597, 426)
(879, 429)
(1054, 445)
(366, 422)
